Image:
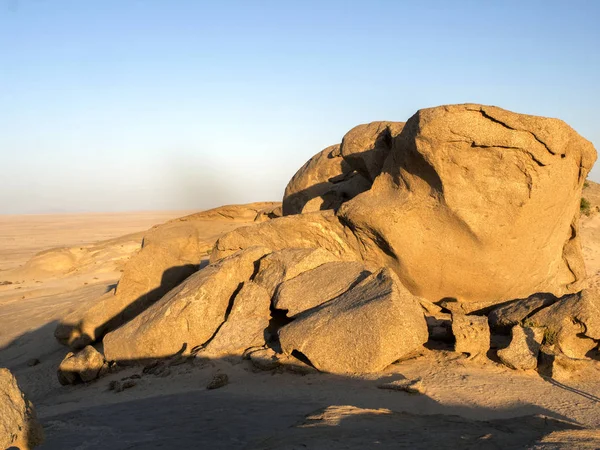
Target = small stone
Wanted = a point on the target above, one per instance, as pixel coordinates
(84, 366)
(264, 359)
(121, 386)
(415, 386)
(218, 381)
(33, 362)
(472, 334)
(523, 350)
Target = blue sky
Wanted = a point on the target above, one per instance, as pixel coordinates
(153, 104)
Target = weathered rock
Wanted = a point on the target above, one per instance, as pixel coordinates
(218, 381)
(317, 286)
(554, 364)
(83, 366)
(188, 315)
(265, 359)
(170, 253)
(366, 147)
(285, 264)
(365, 329)
(245, 326)
(415, 386)
(524, 348)
(268, 213)
(472, 334)
(507, 316)
(313, 230)
(313, 183)
(503, 189)
(120, 386)
(19, 427)
(572, 323)
(439, 327)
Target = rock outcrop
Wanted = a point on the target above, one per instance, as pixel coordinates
(170, 253)
(188, 316)
(472, 197)
(19, 427)
(364, 330)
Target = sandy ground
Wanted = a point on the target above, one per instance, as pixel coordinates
(466, 404)
(22, 236)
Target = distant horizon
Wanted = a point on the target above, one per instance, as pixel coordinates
(113, 106)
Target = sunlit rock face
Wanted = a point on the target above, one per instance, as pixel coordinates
(476, 203)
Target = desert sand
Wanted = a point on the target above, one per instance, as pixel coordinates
(478, 406)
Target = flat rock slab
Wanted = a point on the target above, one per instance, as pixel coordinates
(505, 317)
(283, 265)
(317, 286)
(246, 324)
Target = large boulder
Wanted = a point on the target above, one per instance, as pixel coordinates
(170, 253)
(317, 286)
(477, 204)
(19, 427)
(366, 147)
(188, 316)
(364, 330)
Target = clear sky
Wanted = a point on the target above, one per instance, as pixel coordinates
(168, 104)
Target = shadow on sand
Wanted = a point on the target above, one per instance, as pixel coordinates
(291, 407)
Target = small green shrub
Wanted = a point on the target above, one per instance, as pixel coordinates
(528, 323)
(550, 336)
(585, 206)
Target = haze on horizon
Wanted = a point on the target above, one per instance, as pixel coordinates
(148, 105)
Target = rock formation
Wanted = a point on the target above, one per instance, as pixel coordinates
(188, 316)
(19, 427)
(170, 253)
(402, 233)
(473, 197)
